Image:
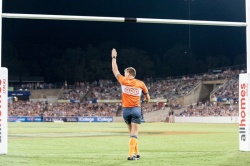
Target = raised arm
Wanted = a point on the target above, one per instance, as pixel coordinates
(114, 65)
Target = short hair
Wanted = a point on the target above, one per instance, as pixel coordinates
(131, 71)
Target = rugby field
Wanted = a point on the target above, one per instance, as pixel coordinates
(106, 144)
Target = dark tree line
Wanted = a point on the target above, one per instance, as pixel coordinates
(91, 62)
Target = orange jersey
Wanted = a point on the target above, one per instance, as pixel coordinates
(131, 91)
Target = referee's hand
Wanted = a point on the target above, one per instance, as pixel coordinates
(114, 53)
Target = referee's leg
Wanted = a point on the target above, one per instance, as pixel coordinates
(135, 124)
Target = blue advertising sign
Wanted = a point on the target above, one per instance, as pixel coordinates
(95, 119)
(104, 119)
(86, 119)
(25, 119)
(18, 93)
(60, 118)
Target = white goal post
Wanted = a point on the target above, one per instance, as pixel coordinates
(244, 100)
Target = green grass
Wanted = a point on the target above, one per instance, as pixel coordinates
(73, 144)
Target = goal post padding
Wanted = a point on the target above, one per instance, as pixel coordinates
(3, 110)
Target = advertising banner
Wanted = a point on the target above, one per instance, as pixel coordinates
(3, 110)
(62, 119)
(244, 113)
(18, 93)
(25, 119)
(95, 119)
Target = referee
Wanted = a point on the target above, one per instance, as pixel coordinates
(132, 89)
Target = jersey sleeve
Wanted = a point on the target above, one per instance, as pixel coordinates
(120, 78)
(144, 89)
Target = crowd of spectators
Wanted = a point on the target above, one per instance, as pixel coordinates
(34, 86)
(228, 93)
(87, 95)
(75, 92)
(210, 109)
(29, 108)
(224, 101)
(171, 89)
(107, 90)
(43, 108)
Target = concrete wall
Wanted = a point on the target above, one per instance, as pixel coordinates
(156, 116)
(209, 119)
(118, 119)
(43, 93)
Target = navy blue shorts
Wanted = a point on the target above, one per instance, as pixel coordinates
(132, 114)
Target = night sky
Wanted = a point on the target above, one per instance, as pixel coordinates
(154, 38)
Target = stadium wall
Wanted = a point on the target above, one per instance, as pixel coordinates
(157, 118)
(44, 93)
(208, 119)
(60, 119)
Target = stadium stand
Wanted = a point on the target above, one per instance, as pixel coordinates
(206, 94)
